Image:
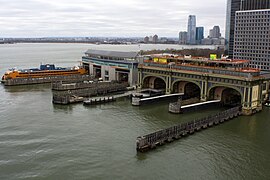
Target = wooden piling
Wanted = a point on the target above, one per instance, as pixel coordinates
(144, 143)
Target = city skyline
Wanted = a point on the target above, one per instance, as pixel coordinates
(113, 18)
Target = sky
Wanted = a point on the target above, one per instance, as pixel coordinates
(107, 18)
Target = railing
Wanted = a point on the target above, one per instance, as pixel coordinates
(58, 86)
(63, 94)
(175, 132)
(204, 70)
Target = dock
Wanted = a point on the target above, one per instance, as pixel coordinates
(100, 100)
(152, 140)
(137, 101)
(62, 92)
(105, 99)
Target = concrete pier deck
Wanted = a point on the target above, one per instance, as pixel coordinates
(136, 101)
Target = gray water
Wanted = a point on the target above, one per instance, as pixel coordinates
(39, 140)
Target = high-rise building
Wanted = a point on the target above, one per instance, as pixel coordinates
(254, 4)
(199, 34)
(150, 38)
(237, 5)
(252, 37)
(183, 37)
(191, 30)
(211, 33)
(216, 32)
(155, 38)
(146, 39)
(232, 7)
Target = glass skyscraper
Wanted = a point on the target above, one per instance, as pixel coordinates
(199, 34)
(255, 4)
(232, 7)
(191, 31)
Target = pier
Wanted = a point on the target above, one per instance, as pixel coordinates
(63, 92)
(101, 100)
(178, 108)
(137, 101)
(150, 141)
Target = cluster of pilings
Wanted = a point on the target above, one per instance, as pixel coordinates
(150, 141)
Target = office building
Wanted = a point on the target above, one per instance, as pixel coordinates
(211, 33)
(191, 30)
(252, 37)
(199, 34)
(254, 4)
(155, 39)
(216, 32)
(146, 39)
(237, 5)
(232, 7)
(183, 37)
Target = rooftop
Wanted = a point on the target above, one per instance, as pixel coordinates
(117, 54)
(200, 59)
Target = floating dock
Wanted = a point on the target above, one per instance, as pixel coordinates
(150, 141)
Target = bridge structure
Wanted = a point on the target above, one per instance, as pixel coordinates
(230, 81)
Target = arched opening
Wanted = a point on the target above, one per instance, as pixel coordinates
(154, 83)
(190, 89)
(228, 96)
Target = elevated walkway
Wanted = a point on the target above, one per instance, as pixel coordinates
(177, 108)
(136, 101)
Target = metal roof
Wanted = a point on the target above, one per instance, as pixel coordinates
(112, 53)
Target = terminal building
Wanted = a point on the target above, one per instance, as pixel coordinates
(112, 65)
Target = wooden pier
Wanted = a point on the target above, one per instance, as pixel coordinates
(63, 92)
(100, 100)
(150, 141)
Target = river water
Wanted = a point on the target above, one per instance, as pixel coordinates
(39, 140)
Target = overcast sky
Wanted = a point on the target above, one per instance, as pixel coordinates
(127, 18)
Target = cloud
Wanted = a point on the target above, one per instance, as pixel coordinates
(36, 18)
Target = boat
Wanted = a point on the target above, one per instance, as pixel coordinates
(45, 71)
